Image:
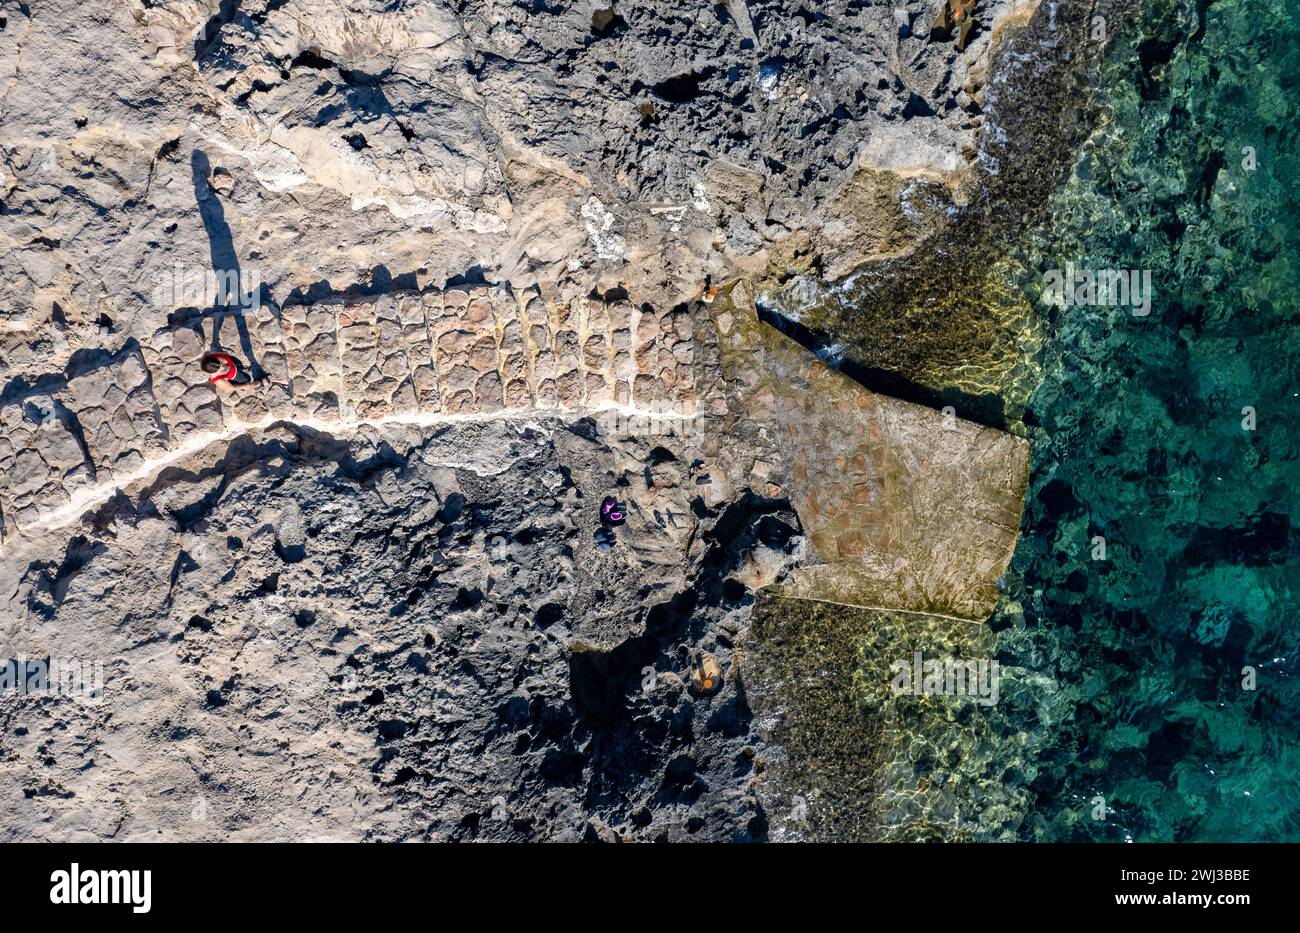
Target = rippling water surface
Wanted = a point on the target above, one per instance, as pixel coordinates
(1173, 441)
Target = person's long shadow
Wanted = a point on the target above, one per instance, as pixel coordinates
(232, 297)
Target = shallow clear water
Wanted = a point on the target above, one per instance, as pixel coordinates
(1123, 673)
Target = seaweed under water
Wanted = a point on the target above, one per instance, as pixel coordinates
(940, 318)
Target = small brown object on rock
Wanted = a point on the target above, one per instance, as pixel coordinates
(957, 14)
(706, 676)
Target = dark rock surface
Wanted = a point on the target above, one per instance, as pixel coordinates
(425, 651)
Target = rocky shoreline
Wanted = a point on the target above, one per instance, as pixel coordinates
(499, 264)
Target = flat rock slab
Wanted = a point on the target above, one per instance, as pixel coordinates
(904, 507)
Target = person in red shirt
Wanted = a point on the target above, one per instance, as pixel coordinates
(225, 369)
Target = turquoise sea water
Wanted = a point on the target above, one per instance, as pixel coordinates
(1123, 674)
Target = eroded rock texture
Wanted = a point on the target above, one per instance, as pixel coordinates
(906, 507)
(653, 148)
(488, 265)
(313, 639)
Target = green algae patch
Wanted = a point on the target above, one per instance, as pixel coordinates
(944, 320)
(867, 749)
(946, 767)
(941, 331)
(798, 663)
